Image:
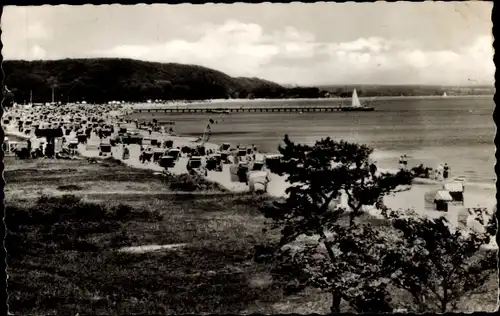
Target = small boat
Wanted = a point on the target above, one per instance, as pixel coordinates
(444, 95)
(356, 104)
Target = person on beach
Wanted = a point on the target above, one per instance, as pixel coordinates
(446, 170)
(438, 171)
(373, 169)
(403, 162)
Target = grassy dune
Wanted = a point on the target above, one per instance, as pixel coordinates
(67, 264)
(76, 214)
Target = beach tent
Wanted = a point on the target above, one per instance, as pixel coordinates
(73, 144)
(443, 195)
(6, 145)
(456, 190)
(238, 172)
(46, 131)
(57, 146)
(258, 180)
(441, 200)
(272, 160)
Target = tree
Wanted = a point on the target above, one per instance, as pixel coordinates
(437, 264)
(343, 256)
(8, 97)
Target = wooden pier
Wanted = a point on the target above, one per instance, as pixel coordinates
(248, 109)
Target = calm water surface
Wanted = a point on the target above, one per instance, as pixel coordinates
(459, 131)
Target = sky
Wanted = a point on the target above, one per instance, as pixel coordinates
(303, 44)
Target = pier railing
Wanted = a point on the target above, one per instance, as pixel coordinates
(248, 109)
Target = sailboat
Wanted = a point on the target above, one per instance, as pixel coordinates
(444, 95)
(356, 104)
(355, 100)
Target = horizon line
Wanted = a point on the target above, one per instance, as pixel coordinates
(282, 83)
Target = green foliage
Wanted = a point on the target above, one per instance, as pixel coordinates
(421, 172)
(8, 97)
(68, 275)
(192, 183)
(318, 174)
(492, 226)
(354, 275)
(111, 162)
(438, 265)
(65, 222)
(348, 266)
(104, 79)
(323, 246)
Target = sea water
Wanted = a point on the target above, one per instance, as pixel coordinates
(456, 130)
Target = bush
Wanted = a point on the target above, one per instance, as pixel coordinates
(112, 162)
(421, 172)
(65, 223)
(193, 183)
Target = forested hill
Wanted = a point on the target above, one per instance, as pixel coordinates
(105, 79)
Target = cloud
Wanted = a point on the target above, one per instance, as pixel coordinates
(376, 60)
(30, 52)
(372, 44)
(324, 46)
(24, 41)
(241, 49)
(36, 30)
(233, 47)
(289, 55)
(36, 52)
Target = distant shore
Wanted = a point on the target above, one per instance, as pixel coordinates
(225, 101)
(257, 100)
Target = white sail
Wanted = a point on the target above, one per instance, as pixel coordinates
(355, 99)
(444, 95)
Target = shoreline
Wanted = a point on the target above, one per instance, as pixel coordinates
(414, 198)
(275, 186)
(225, 101)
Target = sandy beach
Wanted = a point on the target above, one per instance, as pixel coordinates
(418, 198)
(246, 159)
